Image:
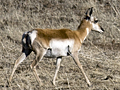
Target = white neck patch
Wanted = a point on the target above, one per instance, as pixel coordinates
(87, 29)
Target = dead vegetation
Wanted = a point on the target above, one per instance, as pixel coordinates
(99, 55)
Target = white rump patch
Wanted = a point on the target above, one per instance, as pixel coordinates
(32, 35)
(60, 47)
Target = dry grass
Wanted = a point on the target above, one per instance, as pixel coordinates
(100, 53)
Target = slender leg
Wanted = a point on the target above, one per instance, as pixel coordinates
(19, 60)
(76, 59)
(39, 55)
(57, 68)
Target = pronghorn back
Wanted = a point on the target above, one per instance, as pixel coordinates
(59, 34)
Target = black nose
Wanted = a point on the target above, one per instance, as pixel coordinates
(102, 29)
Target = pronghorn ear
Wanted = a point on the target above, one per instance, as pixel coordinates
(91, 10)
(87, 13)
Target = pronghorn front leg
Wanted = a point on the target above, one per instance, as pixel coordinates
(24, 54)
(57, 68)
(39, 55)
(76, 59)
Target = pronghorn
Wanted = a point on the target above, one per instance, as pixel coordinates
(53, 43)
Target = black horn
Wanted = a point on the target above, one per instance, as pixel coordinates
(87, 12)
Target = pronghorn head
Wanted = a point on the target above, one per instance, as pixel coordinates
(93, 21)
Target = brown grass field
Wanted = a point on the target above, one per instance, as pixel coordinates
(100, 53)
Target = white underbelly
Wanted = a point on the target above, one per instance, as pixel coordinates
(60, 47)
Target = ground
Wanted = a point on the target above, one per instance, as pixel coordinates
(99, 55)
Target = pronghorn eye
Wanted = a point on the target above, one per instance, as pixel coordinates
(95, 21)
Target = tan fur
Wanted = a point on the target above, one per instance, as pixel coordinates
(45, 35)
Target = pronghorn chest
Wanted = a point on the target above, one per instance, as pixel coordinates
(60, 47)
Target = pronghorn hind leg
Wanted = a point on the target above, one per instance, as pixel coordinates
(39, 55)
(57, 68)
(76, 59)
(24, 54)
